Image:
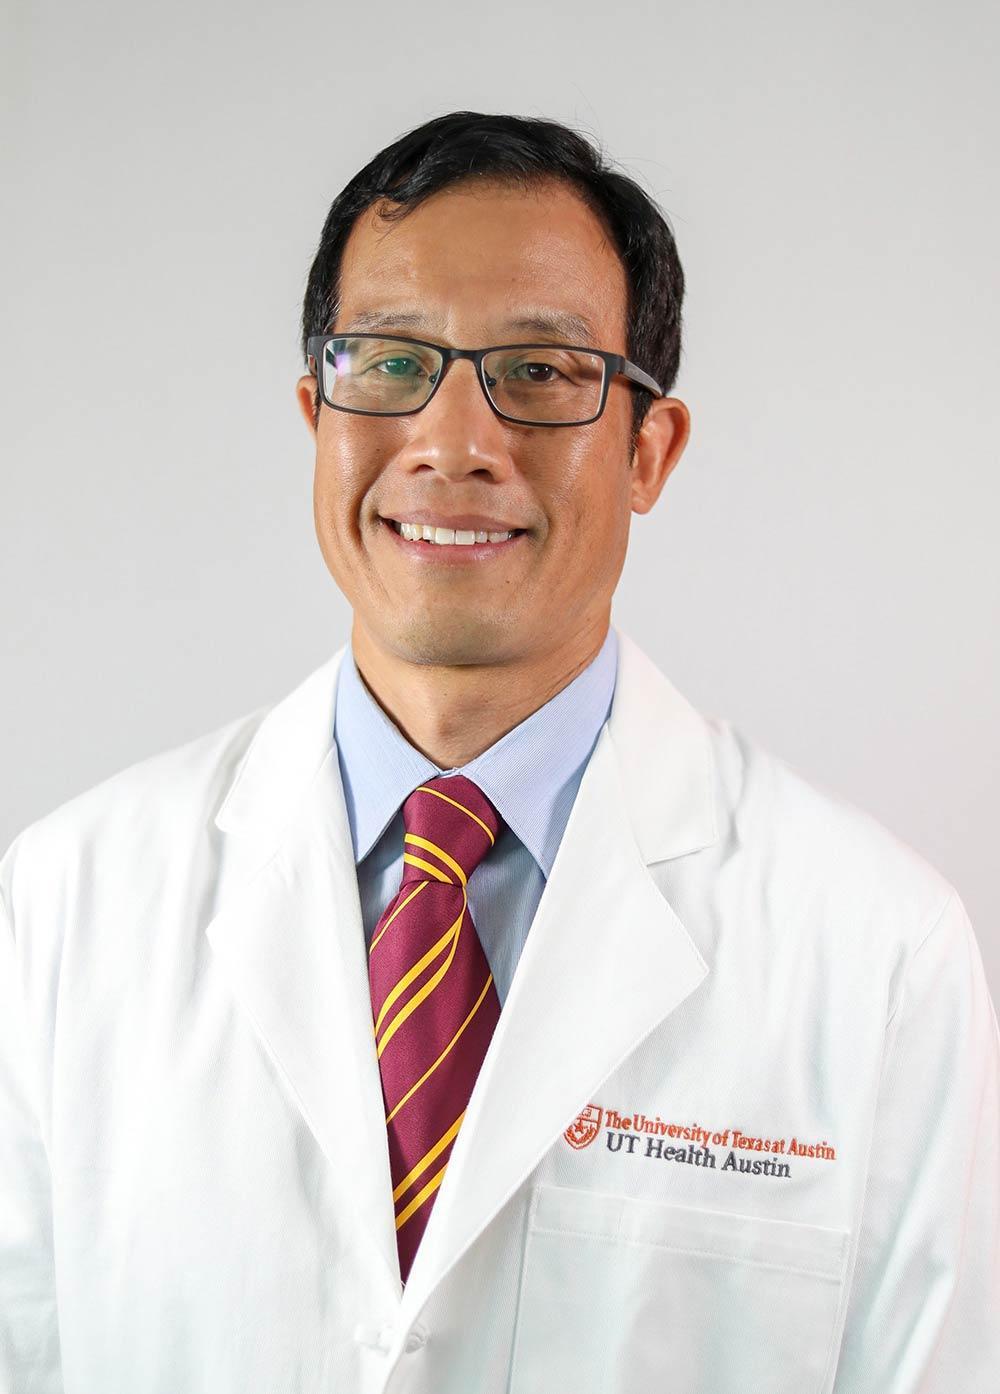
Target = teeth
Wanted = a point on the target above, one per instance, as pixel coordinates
(447, 537)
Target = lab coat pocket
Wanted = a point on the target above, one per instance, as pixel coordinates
(622, 1294)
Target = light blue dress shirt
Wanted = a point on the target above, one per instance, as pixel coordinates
(531, 776)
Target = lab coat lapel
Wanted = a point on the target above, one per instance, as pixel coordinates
(291, 941)
(606, 959)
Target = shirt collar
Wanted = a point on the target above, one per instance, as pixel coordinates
(530, 775)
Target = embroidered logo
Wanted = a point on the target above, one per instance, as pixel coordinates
(638, 1135)
(584, 1128)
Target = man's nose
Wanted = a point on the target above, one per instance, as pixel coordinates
(458, 432)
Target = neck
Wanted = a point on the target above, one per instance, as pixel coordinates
(452, 713)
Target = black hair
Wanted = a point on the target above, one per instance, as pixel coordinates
(521, 151)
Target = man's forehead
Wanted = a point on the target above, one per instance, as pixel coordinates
(533, 262)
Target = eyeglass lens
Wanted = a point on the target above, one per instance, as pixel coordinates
(538, 384)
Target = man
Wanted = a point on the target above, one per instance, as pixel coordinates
(481, 1017)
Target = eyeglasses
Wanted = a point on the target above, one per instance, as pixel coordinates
(531, 384)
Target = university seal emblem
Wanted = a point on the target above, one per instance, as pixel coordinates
(584, 1128)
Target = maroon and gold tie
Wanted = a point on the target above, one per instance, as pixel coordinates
(434, 1002)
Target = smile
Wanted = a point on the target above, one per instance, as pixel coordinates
(445, 545)
(448, 537)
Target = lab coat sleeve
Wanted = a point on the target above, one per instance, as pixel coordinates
(924, 1310)
(29, 1329)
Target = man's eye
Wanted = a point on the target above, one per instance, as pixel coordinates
(397, 367)
(534, 372)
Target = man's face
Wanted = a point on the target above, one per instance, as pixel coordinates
(463, 269)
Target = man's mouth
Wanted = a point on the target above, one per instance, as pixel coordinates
(450, 537)
(452, 546)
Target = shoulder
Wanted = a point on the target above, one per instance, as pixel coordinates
(813, 850)
(169, 797)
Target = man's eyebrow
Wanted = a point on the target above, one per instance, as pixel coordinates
(384, 319)
(570, 328)
(575, 329)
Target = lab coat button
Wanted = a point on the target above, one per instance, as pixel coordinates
(416, 1339)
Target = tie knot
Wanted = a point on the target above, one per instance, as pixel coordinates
(450, 826)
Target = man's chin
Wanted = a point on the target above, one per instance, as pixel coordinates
(454, 641)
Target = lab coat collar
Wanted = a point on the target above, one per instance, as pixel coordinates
(663, 747)
(291, 941)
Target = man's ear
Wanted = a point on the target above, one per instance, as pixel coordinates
(305, 392)
(662, 438)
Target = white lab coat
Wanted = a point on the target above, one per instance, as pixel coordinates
(195, 1194)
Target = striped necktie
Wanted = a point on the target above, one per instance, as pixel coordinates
(434, 1001)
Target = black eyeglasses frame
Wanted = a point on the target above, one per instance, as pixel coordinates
(615, 364)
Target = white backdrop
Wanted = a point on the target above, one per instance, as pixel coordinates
(821, 568)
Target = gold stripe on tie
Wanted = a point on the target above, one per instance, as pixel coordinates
(420, 1197)
(455, 804)
(427, 1073)
(420, 886)
(423, 993)
(438, 852)
(426, 866)
(428, 1157)
(417, 969)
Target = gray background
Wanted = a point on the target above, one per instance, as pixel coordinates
(822, 566)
